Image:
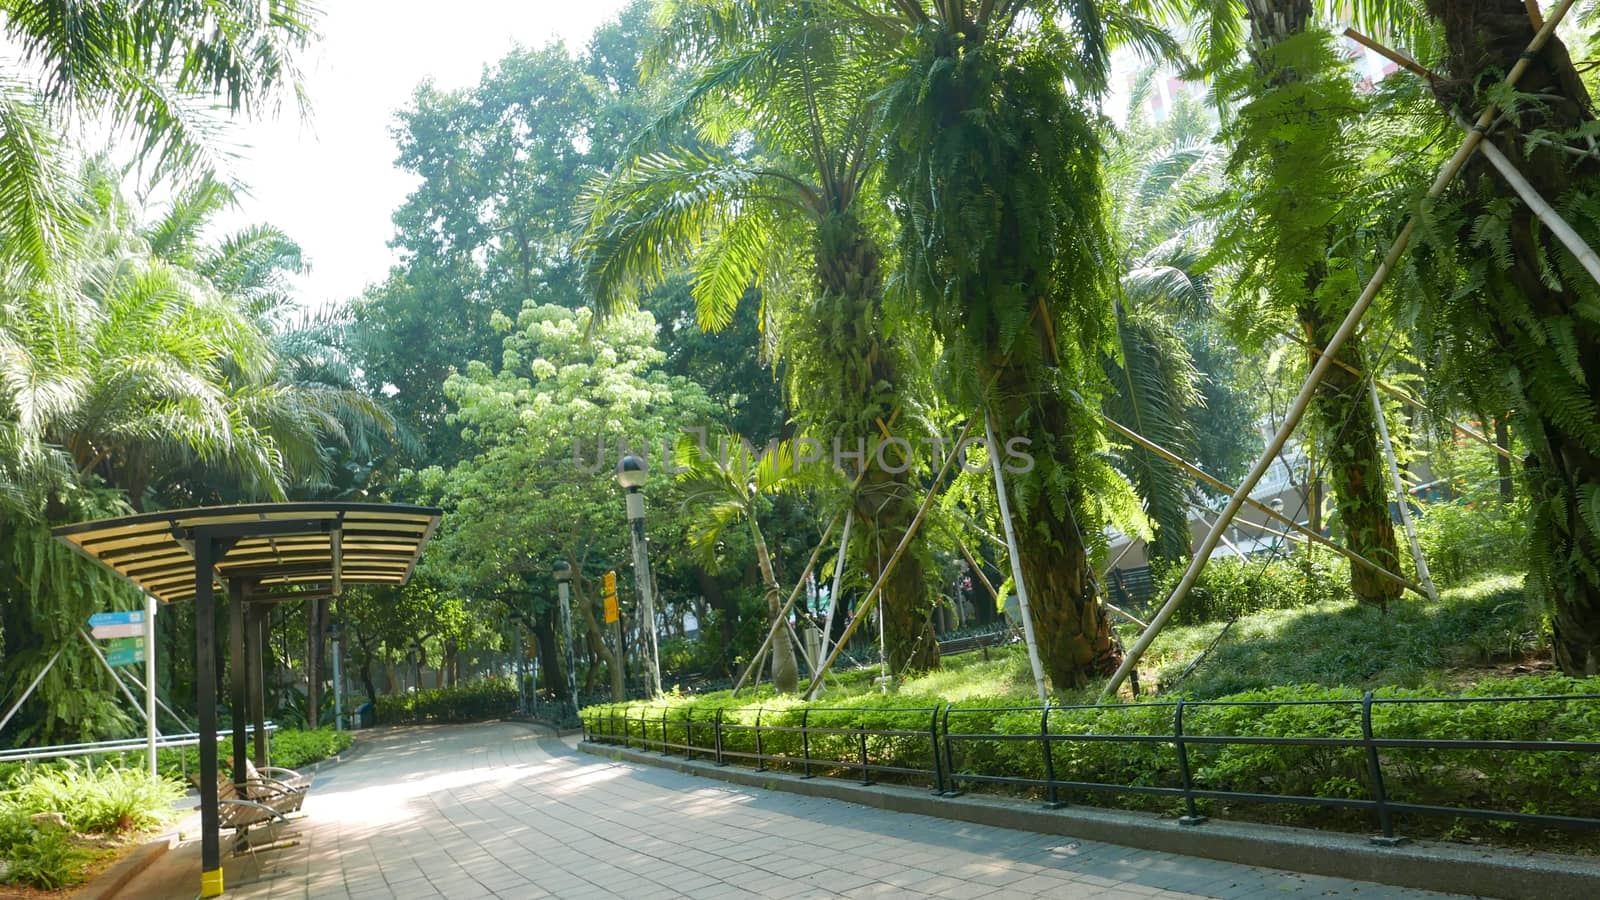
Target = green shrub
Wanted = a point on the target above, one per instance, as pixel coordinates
(1557, 783)
(39, 857)
(1463, 539)
(106, 799)
(297, 749)
(1238, 587)
(287, 747)
(486, 699)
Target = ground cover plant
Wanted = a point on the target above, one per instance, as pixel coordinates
(1458, 648)
(55, 821)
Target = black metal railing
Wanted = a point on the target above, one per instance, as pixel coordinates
(1060, 756)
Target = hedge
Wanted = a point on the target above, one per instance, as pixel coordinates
(1560, 783)
(478, 700)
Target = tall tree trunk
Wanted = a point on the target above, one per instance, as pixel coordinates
(848, 383)
(785, 672)
(544, 633)
(1348, 435)
(1502, 465)
(597, 642)
(1559, 409)
(1347, 429)
(1072, 626)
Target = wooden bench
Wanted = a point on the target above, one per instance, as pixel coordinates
(240, 815)
(282, 789)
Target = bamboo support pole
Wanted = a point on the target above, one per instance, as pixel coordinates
(1014, 552)
(1126, 615)
(838, 584)
(1404, 397)
(1352, 320)
(977, 571)
(1309, 533)
(888, 569)
(782, 618)
(1558, 226)
(1425, 576)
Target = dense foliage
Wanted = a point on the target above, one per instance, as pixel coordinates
(857, 228)
(39, 851)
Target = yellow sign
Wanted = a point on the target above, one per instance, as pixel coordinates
(608, 590)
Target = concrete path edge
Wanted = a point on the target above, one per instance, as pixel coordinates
(1486, 872)
(110, 883)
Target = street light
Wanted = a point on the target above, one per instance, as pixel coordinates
(631, 475)
(563, 573)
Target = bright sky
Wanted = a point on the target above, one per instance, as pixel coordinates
(331, 182)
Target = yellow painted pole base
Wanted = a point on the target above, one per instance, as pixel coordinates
(211, 883)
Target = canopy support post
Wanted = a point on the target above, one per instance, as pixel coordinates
(236, 677)
(255, 670)
(205, 682)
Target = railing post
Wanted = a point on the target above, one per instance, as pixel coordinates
(1192, 816)
(625, 726)
(1052, 794)
(1380, 797)
(688, 732)
(716, 739)
(805, 741)
(761, 756)
(861, 732)
(933, 745)
(954, 789)
(665, 751)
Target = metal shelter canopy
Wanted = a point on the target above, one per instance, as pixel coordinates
(303, 550)
(276, 544)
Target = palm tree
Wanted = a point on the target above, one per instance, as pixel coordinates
(1301, 187)
(802, 85)
(724, 487)
(155, 69)
(1509, 313)
(1159, 179)
(995, 167)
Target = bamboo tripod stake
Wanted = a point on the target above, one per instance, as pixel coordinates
(1400, 495)
(1404, 397)
(888, 569)
(1014, 554)
(1347, 328)
(1262, 508)
(838, 583)
(782, 618)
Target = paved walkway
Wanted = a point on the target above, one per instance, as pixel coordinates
(502, 810)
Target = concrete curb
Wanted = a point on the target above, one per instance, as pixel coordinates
(1497, 872)
(111, 882)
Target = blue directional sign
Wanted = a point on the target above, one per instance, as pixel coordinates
(128, 617)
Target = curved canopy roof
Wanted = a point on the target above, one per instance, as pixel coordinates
(278, 545)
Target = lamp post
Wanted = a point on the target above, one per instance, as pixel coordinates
(338, 679)
(631, 475)
(563, 572)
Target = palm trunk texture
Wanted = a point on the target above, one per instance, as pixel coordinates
(1484, 38)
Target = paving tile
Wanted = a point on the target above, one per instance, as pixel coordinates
(503, 810)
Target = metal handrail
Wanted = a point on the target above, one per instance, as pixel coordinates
(119, 745)
(945, 775)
